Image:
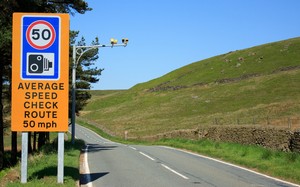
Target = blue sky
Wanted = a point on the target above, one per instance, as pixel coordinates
(165, 35)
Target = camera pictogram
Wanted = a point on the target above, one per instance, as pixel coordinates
(40, 64)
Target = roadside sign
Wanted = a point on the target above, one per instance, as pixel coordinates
(40, 43)
(40, 72)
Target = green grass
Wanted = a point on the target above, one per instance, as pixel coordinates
(109, 136)
(264, 86)
(150, 113)
(258, 83)
(284, 165)
(42, 166)
(260, 60)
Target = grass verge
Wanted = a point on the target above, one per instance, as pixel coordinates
(283, 165)
(42, 167)
(108, 136)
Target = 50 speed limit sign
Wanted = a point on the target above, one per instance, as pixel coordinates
(40, 34)
(40, 72)
(40, 38)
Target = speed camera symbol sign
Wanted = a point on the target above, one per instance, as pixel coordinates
(40, 47)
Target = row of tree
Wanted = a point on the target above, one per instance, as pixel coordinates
(86, 72)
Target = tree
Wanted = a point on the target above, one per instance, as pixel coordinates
(8, 7)
(5, 59)
(86, 71)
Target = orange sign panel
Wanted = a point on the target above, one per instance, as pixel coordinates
(40, 72)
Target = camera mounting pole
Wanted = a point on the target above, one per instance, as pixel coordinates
(80, 51)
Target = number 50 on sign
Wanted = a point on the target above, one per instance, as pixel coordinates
(40, 34)
(40, 72)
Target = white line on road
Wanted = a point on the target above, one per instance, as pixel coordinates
(147, 156)
(174, 171)
(86, 167)
(100, 137)
(71, 133)
(132, 148)
(229, 164)
(168, 168)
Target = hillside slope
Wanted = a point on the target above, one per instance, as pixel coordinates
(255, 61)
(259, 85)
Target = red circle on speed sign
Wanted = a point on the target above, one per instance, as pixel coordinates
(40, 34)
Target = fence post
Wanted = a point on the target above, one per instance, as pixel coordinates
(289, 123)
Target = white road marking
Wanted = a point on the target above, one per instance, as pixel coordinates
(132, 148)
(229, 164)
(172, 170)
(86, 167)
(147, 156)
(168, 168)
(71, 133)
(100, 137)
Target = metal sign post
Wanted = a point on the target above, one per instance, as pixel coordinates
(40, 78)
(60, 156)
(24, 157)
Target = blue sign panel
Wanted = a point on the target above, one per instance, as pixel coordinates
(40, 48)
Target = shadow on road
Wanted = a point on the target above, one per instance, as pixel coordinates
(86, 178)
(97, 147)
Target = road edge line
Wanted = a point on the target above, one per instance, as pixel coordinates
(107, 140)
(233, 165)
(84, 168)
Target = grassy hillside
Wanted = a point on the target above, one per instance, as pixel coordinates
(259, 85)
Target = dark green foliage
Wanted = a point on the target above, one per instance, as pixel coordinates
(86, 71)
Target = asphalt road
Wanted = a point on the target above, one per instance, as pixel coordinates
(110, 164)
